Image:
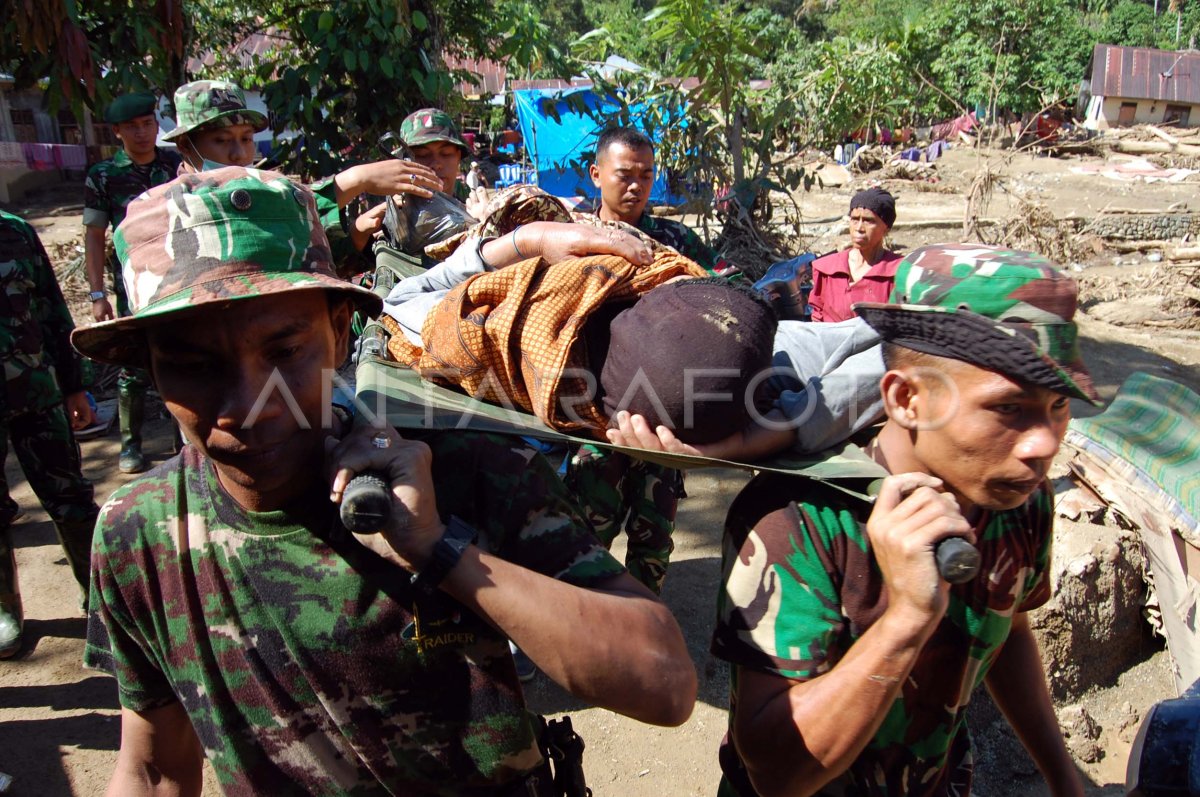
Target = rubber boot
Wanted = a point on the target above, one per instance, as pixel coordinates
(11, 616)
(131, 406)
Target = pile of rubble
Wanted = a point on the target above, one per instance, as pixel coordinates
(1165, 295)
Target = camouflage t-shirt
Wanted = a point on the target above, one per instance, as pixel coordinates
(113, 183)
(682, 239)
(800, 585)
(298, 654)
(35, 325)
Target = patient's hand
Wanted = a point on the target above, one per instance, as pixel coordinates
(754, 442)
(558, 241)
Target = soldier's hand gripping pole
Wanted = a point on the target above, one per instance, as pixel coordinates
(367, 502)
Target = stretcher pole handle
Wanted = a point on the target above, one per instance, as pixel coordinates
(366, 504)
(957, 560)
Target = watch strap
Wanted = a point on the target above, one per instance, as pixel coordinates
(446, 553)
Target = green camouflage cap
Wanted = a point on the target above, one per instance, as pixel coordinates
(130, 106)
(209, 239)
(429, 125)
(212, 103)
(1001, 309)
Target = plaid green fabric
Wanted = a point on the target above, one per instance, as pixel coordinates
(1007, 298)
(1154, 424)
(429, 125)
(216, 236)
(212, 103)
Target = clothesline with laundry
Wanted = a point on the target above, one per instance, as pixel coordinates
(42, 157)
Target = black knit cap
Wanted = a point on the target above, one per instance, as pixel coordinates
(686, 355)
(878, 201)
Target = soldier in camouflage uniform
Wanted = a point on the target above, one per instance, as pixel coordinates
(40, 369)
(853, 661)
(623, 172)
(614, 489)
(111, 185)
(437, 144)
(240, 619)
(215, 128)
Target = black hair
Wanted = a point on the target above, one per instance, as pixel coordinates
(629, 136)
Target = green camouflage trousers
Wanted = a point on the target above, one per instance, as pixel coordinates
(130, 381)
(49, 456)
(613, 488)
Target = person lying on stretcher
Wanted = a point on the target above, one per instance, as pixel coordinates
(556, 300)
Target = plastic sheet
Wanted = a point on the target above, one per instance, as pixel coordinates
(416, 222)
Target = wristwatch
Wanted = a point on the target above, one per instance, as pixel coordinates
(446, 553)
(96, 296)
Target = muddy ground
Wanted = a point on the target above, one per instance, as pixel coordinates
(58, 722)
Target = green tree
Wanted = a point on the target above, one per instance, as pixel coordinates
(994, 54)
(617, 27)
(844, 85)
(1130, 24)
(91, 51)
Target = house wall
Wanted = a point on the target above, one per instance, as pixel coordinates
(1103, 112)
(15, 183)
(37, 126)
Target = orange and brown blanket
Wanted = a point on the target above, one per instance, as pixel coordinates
(514, 336)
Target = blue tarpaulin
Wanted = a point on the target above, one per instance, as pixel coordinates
(560, 149)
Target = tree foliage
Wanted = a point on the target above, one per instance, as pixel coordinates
(88, 51)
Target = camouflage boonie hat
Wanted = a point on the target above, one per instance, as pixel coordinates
(429, 125)
(209, 239)
(1001, 309)
(212, 103)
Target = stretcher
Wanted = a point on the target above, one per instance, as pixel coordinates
(388, 391)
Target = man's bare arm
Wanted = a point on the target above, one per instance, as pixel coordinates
(614, 646)
(160, 755)
(1017, 683)
(795, 737)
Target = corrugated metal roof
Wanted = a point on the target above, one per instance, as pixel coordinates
(1145, 74)
(552, 83)
(490, 75)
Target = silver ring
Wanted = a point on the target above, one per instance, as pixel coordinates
(381, 441)
(413, 179)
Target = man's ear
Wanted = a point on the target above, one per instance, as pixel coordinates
(901, 398)
(594, 172)
(340, 312)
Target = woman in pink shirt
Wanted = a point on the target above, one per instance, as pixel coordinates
(865, 271)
